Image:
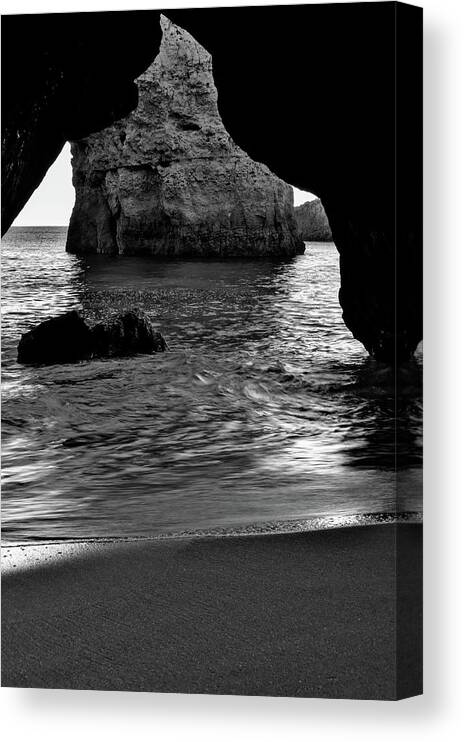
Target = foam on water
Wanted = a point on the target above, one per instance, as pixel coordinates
(264, 410)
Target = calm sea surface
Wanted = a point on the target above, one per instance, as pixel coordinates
(264, 409)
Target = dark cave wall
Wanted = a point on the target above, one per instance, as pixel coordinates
(63, 77)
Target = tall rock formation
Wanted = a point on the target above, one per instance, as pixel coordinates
(168, 180)
(312, 222)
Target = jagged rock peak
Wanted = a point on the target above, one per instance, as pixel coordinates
(168, 180)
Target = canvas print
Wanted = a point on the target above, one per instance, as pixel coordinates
(211, 350)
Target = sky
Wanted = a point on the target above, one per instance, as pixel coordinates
(299, 197)
(52, 202)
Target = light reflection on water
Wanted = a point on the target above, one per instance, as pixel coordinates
(264, 408)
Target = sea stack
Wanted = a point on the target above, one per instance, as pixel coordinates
(312, 222)
(168, 180)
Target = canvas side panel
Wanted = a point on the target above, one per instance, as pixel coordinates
(409, 312)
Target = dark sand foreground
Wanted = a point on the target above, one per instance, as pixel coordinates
(309, 614)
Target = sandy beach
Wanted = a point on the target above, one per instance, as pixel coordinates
(311, 614)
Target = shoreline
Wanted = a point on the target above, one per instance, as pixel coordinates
(262, 528)
(328, 614)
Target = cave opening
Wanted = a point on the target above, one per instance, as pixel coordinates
(300, 197)
(52, 202)
(354, 176)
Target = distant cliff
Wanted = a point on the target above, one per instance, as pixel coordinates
(168, 180)
(312, 222)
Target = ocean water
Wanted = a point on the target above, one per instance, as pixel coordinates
(264, 413)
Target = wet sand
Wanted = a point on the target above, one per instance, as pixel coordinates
(311, 614)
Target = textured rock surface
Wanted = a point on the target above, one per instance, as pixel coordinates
(168, 180)
(126, 334)
(68, 338)
(312, 222)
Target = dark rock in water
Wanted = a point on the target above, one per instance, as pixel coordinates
(68, 338)
(312, 222)
(126, 334)
(168, 180)
(62, 339)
